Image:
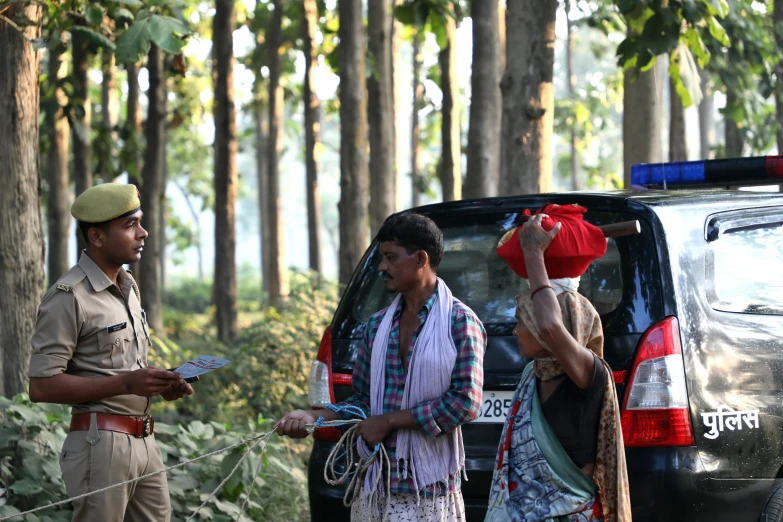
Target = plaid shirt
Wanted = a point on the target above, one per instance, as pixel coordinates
(459, 405)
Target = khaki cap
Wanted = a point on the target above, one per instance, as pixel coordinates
(106, 202)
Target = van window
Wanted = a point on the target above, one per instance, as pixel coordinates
(747, 270)
(481, 279)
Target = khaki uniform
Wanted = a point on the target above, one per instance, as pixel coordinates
(87, 326)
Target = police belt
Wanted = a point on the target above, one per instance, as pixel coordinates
(139, 427)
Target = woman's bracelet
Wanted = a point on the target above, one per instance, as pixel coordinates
(539, 289)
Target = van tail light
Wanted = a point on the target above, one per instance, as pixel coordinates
(655, 410)
(321, 386)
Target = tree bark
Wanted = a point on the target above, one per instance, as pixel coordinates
(278, 266)
(528, 97)
(418, 96)
(262, 178)
(312, 119)
(225, 283)
(777, 24)
(399, 119)
(353, 139)
(21, 242)
(576, 182)
(734, 139)
(82, 164)
(58, 212)
(642, 100)
(451, 153)
(152, 193)
(481, 180)
(383, 186)
(133, 127)
(706, 117)
(678, 148)
(109, 106)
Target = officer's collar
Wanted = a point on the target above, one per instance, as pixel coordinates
(98, 278)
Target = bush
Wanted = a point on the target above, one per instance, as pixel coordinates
(32, 434)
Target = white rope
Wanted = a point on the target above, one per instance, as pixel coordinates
(256, 439)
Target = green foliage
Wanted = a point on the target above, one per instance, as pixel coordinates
(31, 436)
(271, 359)
(153, 25)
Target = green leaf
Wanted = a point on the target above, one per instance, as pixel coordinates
(134, 42)
(30, 415)
(438, 28)
(131, 3)
(26, 486)
(162, 31)
(166, 429)
(93, 38)
(626, 6)
(405, 14)
(122, 14)
(718, 32)
(94, 15)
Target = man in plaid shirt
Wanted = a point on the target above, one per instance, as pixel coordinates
(412, 248)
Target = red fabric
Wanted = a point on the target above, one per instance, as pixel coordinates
(576, 245)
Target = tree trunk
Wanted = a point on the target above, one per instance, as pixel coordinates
(502, 35)
(82, 164)
(576, 183)
(642, 119)
(777, 24)
(706, 117)
(21, 242)
(312, 119)
(485, 105)
(418, 96)
(528, 97)
(353, 138)
(678, 148)
(225, 283)
(383, 186)
(58, 212)
(278, 266)
(399, 118)
(734, 138)
(133, 127)
(262, 179)
(109, 106)
(164, 212)
(451, 153)
(152, 194)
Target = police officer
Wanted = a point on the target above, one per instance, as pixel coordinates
(90, 351)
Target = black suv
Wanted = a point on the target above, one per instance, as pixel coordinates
(692, 311)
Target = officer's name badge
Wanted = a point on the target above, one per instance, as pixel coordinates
(64, 288)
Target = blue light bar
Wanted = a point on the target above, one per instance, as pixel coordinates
(675, 173)
(760, 170)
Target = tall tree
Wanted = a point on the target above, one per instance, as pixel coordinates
(152, 193)
(312, 119)
(735, 141)
(777, 24)
(262, 178)
(451, 155)
(706, 116)
(576, 183)
(82, 164)
(642, 99)
(528, 97)
(398, 86)
(418, 96)
(109, 110)
(278, 269)
(133, 126)
(383, 184)
(353, 138)
(21, 242)
(481, 180)
(678, 148)
(57, 212)
(225, 282)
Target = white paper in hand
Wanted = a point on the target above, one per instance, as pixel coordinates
(201, 365)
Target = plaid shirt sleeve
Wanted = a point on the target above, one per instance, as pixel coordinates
(360, 381)
(462, 402)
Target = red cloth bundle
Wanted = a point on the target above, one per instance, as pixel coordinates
(576, 245)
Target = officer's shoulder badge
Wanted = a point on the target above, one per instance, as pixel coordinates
(63, 287)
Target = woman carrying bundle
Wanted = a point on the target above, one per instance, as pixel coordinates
(561, 454)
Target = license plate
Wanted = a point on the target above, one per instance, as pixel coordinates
(495, 406)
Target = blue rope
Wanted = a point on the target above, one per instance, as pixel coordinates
(354, 411)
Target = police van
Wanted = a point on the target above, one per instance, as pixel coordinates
(692, 312)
